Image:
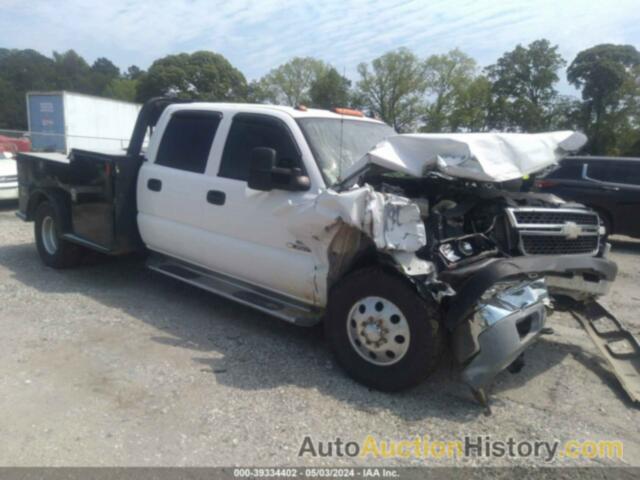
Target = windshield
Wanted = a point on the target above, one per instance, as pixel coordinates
(338, 143)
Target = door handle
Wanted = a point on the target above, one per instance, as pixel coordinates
(216, 197)
(154, 184)
(612, 189)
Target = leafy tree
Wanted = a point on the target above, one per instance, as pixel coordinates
(22, 71)
(628, 141)
(566, 113)
(523, 82)
(134, 73)
(447, 77)
(472, 105)
(290, 83)
(256, 92)
(103, 72)
(358, 100)
(605, 73)
(122, 89)
(444, 93)
(104, 66)
(11, 112)
(72, 72)
(393, 88)
(330, 90)
(27, 68)
(201, 75)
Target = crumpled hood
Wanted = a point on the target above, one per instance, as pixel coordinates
(493, 157)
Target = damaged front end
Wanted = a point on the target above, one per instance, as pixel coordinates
(457, 245)
(452, 213)
(495, 258)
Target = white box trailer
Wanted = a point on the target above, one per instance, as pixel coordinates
(60, 121)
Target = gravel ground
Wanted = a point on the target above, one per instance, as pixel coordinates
(111, 364)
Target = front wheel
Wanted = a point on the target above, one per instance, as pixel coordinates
(382, 332)
(53, 249)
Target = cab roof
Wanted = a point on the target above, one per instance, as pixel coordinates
(293, 112)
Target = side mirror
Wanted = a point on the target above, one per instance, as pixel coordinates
(261, 165)
(265, 176)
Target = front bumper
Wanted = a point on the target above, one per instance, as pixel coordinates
(499, 308)
(579, 287)
(506, 322)
(472, 282)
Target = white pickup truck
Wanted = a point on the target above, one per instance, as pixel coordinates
(422, 242)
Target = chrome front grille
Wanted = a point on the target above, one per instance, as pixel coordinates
(537, 217)
(555, 231)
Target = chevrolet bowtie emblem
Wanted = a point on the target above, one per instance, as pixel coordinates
(571, 230)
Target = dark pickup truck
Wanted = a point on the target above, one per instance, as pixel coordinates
(608, 185)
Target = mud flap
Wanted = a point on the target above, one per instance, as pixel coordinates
(615, 343)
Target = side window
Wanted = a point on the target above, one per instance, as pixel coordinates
(568, 171)
(597, 171)
(249, 131)
(627, 173)
(187, 140)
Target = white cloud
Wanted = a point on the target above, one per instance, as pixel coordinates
(257, 35)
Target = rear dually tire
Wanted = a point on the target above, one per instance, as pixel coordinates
(54, 251)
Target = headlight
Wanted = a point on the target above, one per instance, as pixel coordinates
(465, 248)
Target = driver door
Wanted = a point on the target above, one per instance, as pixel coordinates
(248, 230)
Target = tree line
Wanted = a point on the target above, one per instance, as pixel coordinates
(440, 93)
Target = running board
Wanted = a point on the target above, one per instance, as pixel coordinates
(237, 290)
(615, 342)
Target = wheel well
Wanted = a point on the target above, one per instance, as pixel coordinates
(371, 258)
(58, 198)
(34, 202)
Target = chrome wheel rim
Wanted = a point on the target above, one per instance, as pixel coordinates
(49, 236)
(378, 331)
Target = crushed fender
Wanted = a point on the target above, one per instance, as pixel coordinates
(392, 222)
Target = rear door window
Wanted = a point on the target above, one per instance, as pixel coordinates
(597, 171)
(624, 172)
(249, 131)
(187, 139)
(568, 171)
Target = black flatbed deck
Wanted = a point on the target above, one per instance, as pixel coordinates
(96, 191)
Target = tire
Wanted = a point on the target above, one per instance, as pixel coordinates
(413, 333)
(53, 250)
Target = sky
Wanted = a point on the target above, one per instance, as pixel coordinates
(255, 36)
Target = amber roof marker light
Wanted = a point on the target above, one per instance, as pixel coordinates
(348, 111)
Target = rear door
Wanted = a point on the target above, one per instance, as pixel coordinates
(593, 187)
(571, 182)
(622, 180)
(172, 186)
